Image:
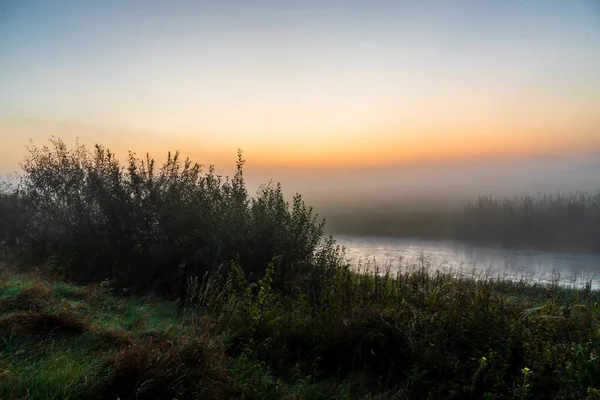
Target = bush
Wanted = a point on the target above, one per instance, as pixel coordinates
(136, 223)
(419, 334)
(12, 224)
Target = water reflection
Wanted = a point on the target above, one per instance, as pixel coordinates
(573, 269)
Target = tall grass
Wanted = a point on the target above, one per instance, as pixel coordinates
(417, 333)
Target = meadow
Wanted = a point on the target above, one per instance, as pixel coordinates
(137, 281)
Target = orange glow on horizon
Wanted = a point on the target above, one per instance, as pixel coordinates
(383, 148)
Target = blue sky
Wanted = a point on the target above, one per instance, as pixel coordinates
(306, 82)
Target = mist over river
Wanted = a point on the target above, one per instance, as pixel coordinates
(571, 269)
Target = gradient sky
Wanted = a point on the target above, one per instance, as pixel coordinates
(301, 84)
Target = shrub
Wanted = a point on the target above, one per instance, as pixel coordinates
(134, 224)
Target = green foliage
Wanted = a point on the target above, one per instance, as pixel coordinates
(419, 334)
(97, 219)
(89, 350)
(416, 334)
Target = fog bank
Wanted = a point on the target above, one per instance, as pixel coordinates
(439, 185)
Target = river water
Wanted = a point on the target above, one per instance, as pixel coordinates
(571, 269)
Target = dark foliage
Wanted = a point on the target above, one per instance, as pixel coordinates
(422, 334)
(136, 223)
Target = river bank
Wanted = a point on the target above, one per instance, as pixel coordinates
(414, 335)
(566, 268)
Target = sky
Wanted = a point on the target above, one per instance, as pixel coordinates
(303, 85)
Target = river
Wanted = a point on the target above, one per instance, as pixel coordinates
(571, 269)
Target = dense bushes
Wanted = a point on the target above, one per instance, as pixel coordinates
(135, 223)
(420, 334)
(12, 226)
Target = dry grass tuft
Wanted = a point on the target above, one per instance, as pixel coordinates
(35, 290)
(165, 369)
(34, 324)
(92, 294)
(32, 297)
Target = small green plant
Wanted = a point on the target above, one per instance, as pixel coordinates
(524, 387)
(593, 393)
(478, 373)
(8, 344)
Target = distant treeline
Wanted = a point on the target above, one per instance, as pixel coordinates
(136, 222)
(562, 221)
(388, 222)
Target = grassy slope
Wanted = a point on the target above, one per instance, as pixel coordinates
(415, 336)
(64, 341)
